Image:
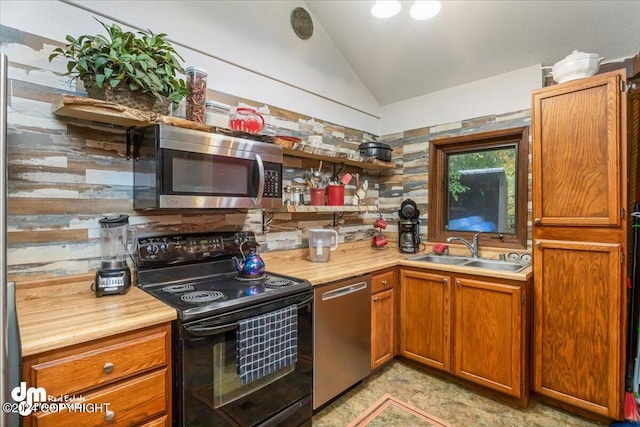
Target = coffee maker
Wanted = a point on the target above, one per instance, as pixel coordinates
(408, 227)
(114, 276)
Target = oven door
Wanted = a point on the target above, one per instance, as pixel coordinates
(209, 389)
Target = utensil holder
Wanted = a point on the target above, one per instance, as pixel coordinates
(335, 195)
(317, 196)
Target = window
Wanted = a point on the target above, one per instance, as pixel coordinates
(479, 183)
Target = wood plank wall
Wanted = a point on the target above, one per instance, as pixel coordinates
(66, 174)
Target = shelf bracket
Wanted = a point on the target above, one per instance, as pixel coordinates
(337, 217)
(267, 218)
(133, 147)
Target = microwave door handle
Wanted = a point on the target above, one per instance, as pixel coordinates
(258, 198)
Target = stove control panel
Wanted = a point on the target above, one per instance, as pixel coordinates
(179, 248)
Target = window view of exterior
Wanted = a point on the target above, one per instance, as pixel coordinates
(481, 190)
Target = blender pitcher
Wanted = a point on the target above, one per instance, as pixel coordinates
(321, 243)
(117, 240)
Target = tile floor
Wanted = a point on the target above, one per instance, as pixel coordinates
(441, 398)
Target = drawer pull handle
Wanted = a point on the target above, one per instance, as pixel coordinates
(108, 368)
(110, 415)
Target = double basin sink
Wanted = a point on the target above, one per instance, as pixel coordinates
(488, 264)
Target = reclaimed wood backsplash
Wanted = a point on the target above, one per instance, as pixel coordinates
(66, 174)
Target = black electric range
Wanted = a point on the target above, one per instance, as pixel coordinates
(196, 274)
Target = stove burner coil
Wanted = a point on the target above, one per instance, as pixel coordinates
(250, 279)
(202, 296)
(178, 289)
(277, 283)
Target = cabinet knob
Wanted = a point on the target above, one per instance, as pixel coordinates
(108, 368)
(384, 283)
(538, 244)
(536, 221)
(109, 415)
(445, 281)
(457, 282)
(375, 299)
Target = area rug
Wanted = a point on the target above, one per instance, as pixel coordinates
(388, 411)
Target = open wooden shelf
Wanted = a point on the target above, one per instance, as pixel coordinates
(373, 165)
(107, 112)
(318, 209)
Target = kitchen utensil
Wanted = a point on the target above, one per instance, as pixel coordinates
(377, 150)
(380, 223)
(247, 120)
(575, 66)
(117, 240)
(379, 241)
(346, 178)
(335, 195)
(252, 266)
(321, 243)
(317, 196)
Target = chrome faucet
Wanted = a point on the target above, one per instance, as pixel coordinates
(474, 246)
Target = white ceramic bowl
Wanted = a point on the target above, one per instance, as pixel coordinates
(576, 66)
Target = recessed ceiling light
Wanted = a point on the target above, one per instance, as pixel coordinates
(385, 8)
(425, 9)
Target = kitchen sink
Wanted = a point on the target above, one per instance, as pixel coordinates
(496, 265)
(441, 259)
(488, 264)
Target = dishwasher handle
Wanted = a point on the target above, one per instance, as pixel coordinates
(345, 290)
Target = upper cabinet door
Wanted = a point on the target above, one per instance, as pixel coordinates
(577, 152)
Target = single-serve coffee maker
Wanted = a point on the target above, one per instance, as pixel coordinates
(117, 240)
(321, 243)
(408, 227)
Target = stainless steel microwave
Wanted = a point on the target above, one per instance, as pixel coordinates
(178, 168)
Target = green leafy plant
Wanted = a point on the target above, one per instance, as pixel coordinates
(145, 63)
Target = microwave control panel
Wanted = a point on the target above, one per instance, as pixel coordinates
(272, 180)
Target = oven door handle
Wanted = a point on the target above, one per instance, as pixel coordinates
(205, 331)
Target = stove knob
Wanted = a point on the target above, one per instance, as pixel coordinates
(164, 248)
(152, 249)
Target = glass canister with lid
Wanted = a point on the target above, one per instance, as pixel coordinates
(197, 85)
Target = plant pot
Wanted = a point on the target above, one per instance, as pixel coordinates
(122, 95)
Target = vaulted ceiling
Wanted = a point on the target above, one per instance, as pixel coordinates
(400, 58)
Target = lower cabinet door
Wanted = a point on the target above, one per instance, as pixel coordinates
(577, 324)
(424, 318)
(488, 334)
(382, 325)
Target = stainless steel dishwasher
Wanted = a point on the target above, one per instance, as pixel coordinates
(341, 337)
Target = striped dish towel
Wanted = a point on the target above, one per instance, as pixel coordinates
(267, 343)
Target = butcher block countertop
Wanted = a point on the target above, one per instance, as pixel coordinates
(64, 312)
(354, 259)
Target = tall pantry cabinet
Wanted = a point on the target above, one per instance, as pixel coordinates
(580, 229)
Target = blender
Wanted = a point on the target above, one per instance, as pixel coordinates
(114, 276)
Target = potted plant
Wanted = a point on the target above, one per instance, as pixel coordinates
(138, 71)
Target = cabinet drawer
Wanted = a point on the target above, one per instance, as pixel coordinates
(158, 422)
(84, 370)
(382, 281)
(129, 402)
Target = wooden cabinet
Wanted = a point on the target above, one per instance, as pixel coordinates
(489, 331)
(472, 327)
(383, 317)
(425, 334)
(579, 239)
(120, 380)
